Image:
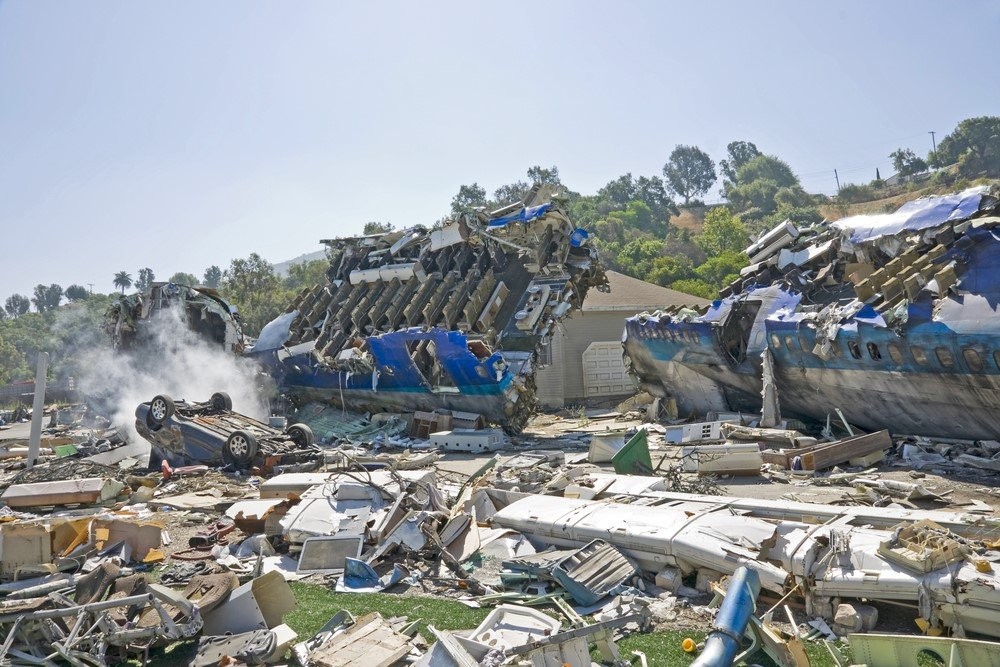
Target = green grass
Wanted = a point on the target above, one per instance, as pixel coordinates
(315, 605)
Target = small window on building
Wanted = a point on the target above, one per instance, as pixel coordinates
(873, 352)
(896, 353)
(919, 355)
(789, 342)
(776, 341)
(973, 359)
(855, 349)
(944, 356)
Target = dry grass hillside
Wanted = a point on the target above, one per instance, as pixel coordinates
(691, 218)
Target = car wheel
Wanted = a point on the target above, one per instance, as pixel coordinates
(240, 449)
(221, 401)
(161, 408)
(300, 434)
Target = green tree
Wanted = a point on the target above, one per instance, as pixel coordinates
(30, 334)
(145, 279)
(722, 232)
(183, 278)
(767, 168)
(13, 364)
(689, 172)
(256, 290)
(653, 192)
(541, 176)
(755, 191)
(620, 191)
(906, 162)
(212, 277)
(510, 193)
(47, 298)
(667, 270)
(722, 269)
(468, 198)
(376, 227)
(697, 287)
(739, 153)
(17, 305)
(123, 280)
(307, 274)
(974, 146)
(77, 293)
(637, 216)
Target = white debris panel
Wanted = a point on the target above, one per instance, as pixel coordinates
(828, 560)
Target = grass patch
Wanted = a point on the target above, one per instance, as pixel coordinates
(315, 605)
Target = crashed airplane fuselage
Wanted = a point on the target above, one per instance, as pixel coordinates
(128, 320)
(891, 318)
(446, 318)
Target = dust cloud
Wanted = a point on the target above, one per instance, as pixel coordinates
(171, 360)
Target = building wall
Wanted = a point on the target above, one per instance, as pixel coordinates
(549, 380)
(562, 382)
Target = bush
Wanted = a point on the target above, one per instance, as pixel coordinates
(853, 194)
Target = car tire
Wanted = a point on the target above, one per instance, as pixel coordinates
(240, 449)
(300, 434)
(160, 409)
(220, 401)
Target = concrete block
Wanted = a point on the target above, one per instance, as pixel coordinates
(669, 579)
(706, 578)
(854, 618)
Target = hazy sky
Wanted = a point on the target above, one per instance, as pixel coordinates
(177, 135)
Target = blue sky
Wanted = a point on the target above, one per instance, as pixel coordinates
(177, 135)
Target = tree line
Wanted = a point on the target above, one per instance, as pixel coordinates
(67, 331)
(634, 218)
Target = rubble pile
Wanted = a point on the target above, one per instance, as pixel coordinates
(568, 531)
(573, 545)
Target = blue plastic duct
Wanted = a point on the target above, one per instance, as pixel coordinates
(724, 642)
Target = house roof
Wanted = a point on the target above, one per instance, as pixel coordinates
(634, 295)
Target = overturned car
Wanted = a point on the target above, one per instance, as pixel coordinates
(183, 433)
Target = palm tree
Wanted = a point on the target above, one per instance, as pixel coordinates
(123, 280)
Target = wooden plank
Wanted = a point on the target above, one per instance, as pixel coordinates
(370, 642)
(834, 453)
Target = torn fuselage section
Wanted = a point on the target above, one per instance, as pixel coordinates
(892, 318)
(128, 320)
(450, 317)
(714, 355)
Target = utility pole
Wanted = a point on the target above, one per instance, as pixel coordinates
(37, 408)
(838, 180)
(91, 285)
(933, 140)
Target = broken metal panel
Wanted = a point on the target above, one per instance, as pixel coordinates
(917, 215)
(891, 318)
(593, 571)
(881, 650)
(973, 526)
(448, 319)
(835, 559)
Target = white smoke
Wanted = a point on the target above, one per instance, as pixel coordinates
(171, 360)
